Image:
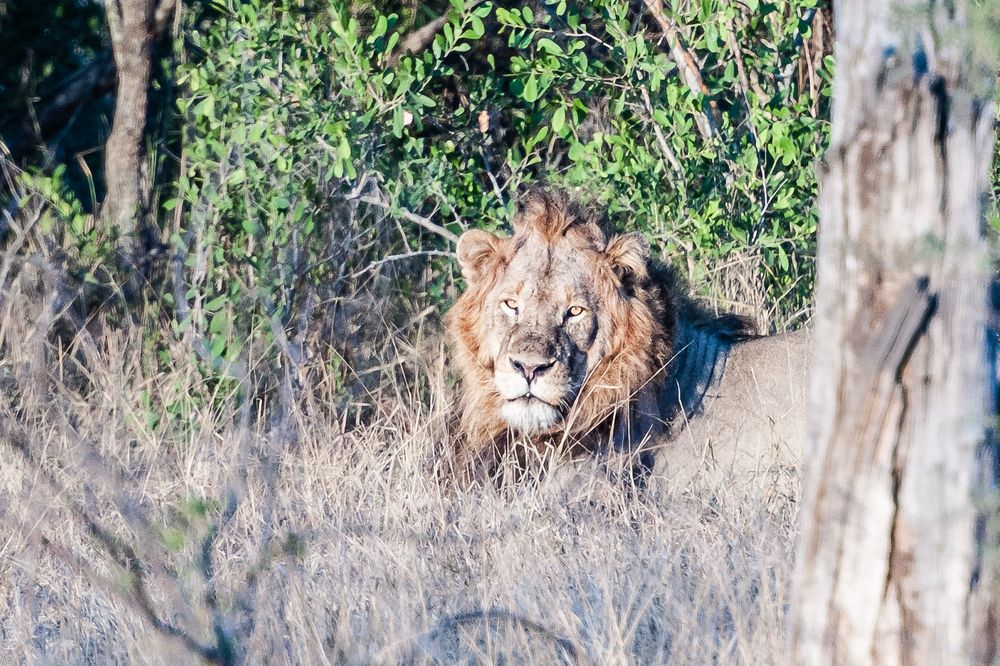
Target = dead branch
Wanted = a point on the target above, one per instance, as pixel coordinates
(420, 220)
(708, 123)
(569, 649)
(401, 256)
(420, 39)
(746, 83)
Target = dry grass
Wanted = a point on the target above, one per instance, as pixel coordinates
(144, 523)
(738, 285)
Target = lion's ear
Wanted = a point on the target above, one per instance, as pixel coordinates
(628, 255)
(477, 250)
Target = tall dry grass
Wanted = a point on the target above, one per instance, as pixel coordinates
(153, 516)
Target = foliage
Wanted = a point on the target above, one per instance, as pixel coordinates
(44, 48)
(44, 44)
(751, 187)
(311, 160)
(289, 110)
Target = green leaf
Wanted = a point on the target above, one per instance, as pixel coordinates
(577, 151)
(425, 101)
(548, 46)
(216, 303)
(530, 92)
(476, 29)
(397, 122)
(220, 322)
(205, 108)
(559, 120)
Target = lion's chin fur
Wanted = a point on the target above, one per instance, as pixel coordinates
(529, 417)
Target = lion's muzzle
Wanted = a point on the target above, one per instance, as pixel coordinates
(536, 387)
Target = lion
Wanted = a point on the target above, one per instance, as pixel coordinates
(570, 338)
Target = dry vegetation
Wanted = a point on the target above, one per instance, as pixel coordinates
(138, 533)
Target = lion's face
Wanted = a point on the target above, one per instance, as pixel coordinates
(547, 300)
(543, 325)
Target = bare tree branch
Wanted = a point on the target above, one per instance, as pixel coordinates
(708, 123)
(420, 220)
(500, 616)
(420, 39)
(123, 554)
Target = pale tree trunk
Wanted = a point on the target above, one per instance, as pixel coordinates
(126, 173)
(889, 570)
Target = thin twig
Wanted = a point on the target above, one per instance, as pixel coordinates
(404, 255)
(784, 74)
(660, 139)
(420, 220)
(744, 80)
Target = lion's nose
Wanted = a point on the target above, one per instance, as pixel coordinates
(531, 367)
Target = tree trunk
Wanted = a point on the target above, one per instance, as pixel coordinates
(126, 204)
(888, 564)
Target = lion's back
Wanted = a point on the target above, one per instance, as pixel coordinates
(752, 422)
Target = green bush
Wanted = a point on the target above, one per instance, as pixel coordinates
(294, 114)
(315, 172)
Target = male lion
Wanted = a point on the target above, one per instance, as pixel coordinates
(569, 338)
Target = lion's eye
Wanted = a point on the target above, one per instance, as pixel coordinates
(576, 311)
(510, 304)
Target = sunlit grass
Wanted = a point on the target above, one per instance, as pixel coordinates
(285, 532)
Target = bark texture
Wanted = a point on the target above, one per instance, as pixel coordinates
(888, 569)
(126, 205)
